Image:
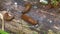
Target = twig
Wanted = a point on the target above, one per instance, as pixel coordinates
(1, 17)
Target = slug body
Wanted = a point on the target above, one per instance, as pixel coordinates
(8, 17)
(29, 19)
(27, 8)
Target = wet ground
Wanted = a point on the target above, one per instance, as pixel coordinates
(47, 19)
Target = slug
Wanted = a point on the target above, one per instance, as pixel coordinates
(8, 17)
(27, 8)
(29, 19)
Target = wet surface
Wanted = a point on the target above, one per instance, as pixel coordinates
(46, 18)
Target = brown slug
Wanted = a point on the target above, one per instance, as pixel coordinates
(27, 8)
(29, 19)
(8, 17)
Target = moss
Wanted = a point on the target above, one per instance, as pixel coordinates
(3, 32)
(51, 32)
